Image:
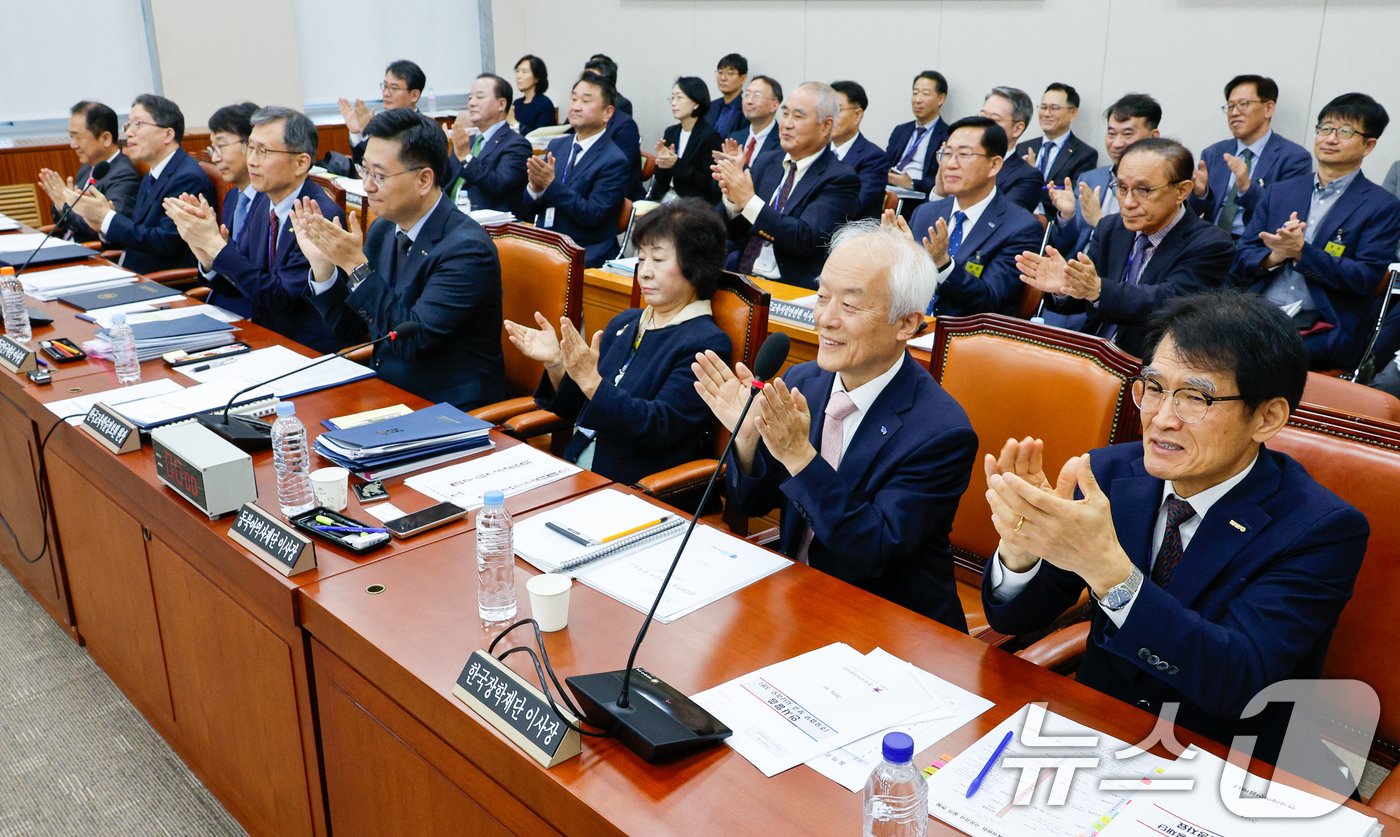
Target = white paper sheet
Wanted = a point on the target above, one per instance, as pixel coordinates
(512, 471)
(28, 241)
(264, 364)
(112, 397)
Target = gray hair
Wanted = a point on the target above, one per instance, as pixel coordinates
(298, 132)
(827, 103)
(912, 274)
(1021, 107)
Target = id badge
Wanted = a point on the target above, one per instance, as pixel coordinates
(974, 269)
(1335, 248)
(766, 264)
(549, 218)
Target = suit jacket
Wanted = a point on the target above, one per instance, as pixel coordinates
(868, 161)
(736, 121)
(827, 194)
(222, 292)
(119, 187)
(450, 284)
(623, 131)
(1073, 159)
(881, 520)
(1021, 183)
(1365, 220)
(1072, 237)
(652, 419)
(770, 148)
(1195, 256)
(276, 297)
(1253, 600)
(1003, 231)
(495, 178)
(150, 239)
(1281, 159)
(585, 208)
(622, 103)
(690, 176)
(899, 139)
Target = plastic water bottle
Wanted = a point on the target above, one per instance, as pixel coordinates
(432, 102)
(124, 350)
(495, 560)
(896, 795)
(293, 462)
(16, 312)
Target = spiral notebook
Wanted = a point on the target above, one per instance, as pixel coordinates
(594, 527)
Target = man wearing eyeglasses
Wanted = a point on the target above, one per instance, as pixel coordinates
(1318, 245)
(228, 144)
(1057, 154)
(154, 130)
(974, 234)
(1217, 566)
(92, 134)
(1011, 108)
(488, 158)
(1233, 173)
(726, 113)
(403, 85)
(756, 143)
(1150, 251)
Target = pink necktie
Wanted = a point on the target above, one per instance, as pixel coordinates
(837, 409)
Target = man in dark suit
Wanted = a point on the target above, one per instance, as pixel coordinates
(92, 134)
(1150, 252)
(488, 158)
(607, 68)
(263, 271)
(909, 155)
(974, 234)
(757, 142)
(1217, 566)
(1057, 154)
(1232, 174)
(782, 212)
(153, 133)
(421, 262)
(864, 157)
(864, 453)
(726, 113)
(1011, 108)
(578, 187)
(1318, 245)
(403, 85)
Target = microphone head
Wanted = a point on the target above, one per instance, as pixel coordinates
(407, 328)
(100, 170)
(771, 356)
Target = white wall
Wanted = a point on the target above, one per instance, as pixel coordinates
(1180, 51)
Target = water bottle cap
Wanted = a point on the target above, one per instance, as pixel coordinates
(118, 319)
(494, 498)
(286, 408)
(898, 748)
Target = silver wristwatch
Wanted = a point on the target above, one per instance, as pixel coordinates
(1120, 594)
(359, 275)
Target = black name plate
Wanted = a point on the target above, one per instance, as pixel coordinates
(277, 543)
(17, 357)
(517, 710)
(114, 432)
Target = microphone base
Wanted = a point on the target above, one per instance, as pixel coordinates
(659, 723)
(246, 434)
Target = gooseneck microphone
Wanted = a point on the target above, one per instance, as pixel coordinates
(663, 722)
(98, 172)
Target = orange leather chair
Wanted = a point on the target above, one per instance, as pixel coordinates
(187, 278)
(1352, 399)
(332, 190)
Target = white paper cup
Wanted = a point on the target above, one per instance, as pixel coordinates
(332, 488)
(549, 600)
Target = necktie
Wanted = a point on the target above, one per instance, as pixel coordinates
(1164, 567)
(956, 236)
(569, 164)
(1046, 149)
(401, 244)
(778, 201)
(271, 239)
(748, 150)
(240, 215)
(913, 148)
(1229, 209)
(1142, 246)
(837, 409)
(477, 142)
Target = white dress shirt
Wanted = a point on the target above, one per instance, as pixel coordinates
(862, 397)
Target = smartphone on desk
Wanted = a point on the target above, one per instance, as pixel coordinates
(421, 521)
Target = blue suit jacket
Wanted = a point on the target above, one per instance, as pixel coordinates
(585, 208)
(690, 176)
(827, 194)
(222, 292)
(1366, 221)
(495, 178)
(734, 112)
(450, 284)
(1253, 600)
(899, 138)
(1003, 231)
(881, 520)
(276, 298)
(771, 147)
(868, 161)
(1021, 183)
(1281, 159)
(1195, 256)
(150, 239)
(119, 187)
(1072, 237)
(623, 131)
(653, 419)
(1074, 158)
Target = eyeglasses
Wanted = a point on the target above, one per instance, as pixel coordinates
(1188, 403)
(1050, 108)
(375, 177)
(679, 97)
(1241, 106)
(962, 155)
(133, 125)
(727, 73)
(216, 150)
(1141, 193)
(391, 88)
(1346, 132)
(257, 153)
(754, 96)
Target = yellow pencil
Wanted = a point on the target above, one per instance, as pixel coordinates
(634, 530)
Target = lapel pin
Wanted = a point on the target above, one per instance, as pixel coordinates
(620, 331)
(1238, 525)
(883, 431)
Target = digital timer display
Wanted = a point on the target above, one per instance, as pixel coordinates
(178, 474)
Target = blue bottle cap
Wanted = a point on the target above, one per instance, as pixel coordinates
(286, 408)
(898, 748)
(119, 319)
(494, 498)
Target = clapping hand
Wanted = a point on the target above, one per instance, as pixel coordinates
(580, 357)
(665, 155)
(539, 344)
(1091, 204)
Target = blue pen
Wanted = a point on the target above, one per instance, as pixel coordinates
(351, 529)
(987, 768)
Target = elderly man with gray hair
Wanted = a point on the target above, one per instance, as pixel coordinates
(864, 452)
(781, 212)
(280, 151)
(1019, 181)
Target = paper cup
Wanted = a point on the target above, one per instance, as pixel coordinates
(332, 487)
(549, 600)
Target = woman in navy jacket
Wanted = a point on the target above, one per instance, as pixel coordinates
(683, 155)
(630, 392)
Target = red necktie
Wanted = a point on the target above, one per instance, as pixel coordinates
(1178, 512)
(271, 240)
(748, 151)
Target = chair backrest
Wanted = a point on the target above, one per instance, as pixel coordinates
(1385, 292)
(648, 164)
(1349, 398)
(628, 247)
(221, 186)
(1015, 379)
(542, 271)
(332, 190)
(624, 216)
(20, 201)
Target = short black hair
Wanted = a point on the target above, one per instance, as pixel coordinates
(854, 93)
(734, 61)
(503, 89)
(1071, 95)
(411, 73)
(603, 66)
(696, 91)
(773, 85)
(98, 118)
(1132, 105)
(1180, 163)
(538, 70)
(421, 141)
(165, 113)
(1266, 87)
(1242, 333)
(940, 84)
(1358, 108)
(694, 228)
(994, 140)
(234, 119)
(601, 82)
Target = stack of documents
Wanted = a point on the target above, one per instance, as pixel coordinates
(154, 339)
(16, 250)
(487, 217)
(124, 294)
(511, 471)
(269, 363)
(140, 313)
(622, 267)
(421, 439)
(48, 285)
(7, 223)
(167, 408)
(75, 408)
